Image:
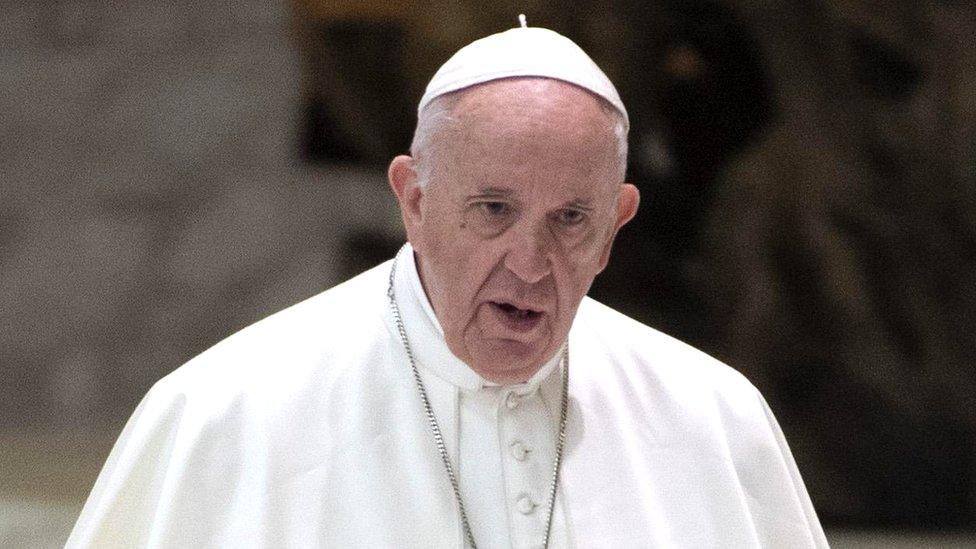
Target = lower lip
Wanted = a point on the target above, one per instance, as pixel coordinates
(516, 324)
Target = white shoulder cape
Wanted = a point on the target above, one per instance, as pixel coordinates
(305, 430)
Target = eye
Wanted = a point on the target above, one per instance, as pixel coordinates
(489, 218)
(494, 209)
(570, 217)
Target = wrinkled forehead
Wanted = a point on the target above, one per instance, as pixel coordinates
(539, 126)
(518, 108)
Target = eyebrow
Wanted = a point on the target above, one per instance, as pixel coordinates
(494, 192)
(580, 204)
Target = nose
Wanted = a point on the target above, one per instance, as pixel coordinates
(528, 257)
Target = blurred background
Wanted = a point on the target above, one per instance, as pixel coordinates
(173, 170)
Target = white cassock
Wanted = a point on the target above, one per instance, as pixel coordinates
(306, 430)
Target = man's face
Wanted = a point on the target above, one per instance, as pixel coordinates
(521, 208)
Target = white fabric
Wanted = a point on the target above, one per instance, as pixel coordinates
(305, 430)
(505, 487)
(532, 51)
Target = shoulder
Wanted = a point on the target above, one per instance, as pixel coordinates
(635, 354)
(312, 342)
(630, 374)
(219, 425)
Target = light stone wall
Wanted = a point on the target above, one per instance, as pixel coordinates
(151, 196)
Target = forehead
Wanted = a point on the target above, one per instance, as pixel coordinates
(529, 134)
(516, 105)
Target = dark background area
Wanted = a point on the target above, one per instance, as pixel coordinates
(807, 176)
(174, 171)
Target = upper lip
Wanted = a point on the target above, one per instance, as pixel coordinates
(524, 305)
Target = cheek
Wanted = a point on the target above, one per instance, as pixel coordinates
(575, 274)
(581, 256)
(462, 265)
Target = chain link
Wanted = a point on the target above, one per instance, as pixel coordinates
(439, 438)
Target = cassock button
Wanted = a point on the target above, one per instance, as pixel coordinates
(512, 400)
(519, 451)
(525, 505)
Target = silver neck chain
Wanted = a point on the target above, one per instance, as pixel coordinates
(439, 438)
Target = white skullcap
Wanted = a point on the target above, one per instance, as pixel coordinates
(522, 51)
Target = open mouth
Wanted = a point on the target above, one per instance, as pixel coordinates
(516, 318)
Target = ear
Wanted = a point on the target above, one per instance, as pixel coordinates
(403, 181)
(627, 202)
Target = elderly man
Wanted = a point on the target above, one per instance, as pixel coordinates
(466, 393)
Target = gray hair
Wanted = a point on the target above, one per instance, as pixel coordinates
(439, 113)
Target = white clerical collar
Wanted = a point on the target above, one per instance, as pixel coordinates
(431, 350)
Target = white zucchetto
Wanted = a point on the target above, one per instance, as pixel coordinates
(522, 51)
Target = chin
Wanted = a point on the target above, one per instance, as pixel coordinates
(520, 360)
